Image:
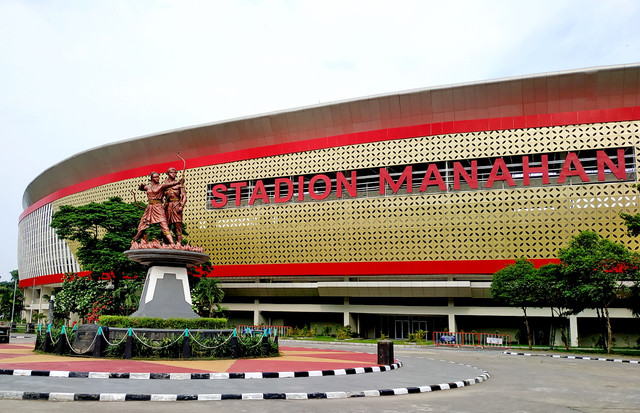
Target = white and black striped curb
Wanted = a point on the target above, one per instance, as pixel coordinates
(122, 397)
(559, 356)
(199, 376)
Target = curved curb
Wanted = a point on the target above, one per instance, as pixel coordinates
(122, 397)
(558, 356)
(199, 376)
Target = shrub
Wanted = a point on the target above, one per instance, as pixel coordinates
(344, 333)
(161, 323)
(419, 335)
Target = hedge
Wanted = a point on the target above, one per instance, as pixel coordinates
(162, 323)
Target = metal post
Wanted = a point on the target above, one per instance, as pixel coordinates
(13, 306)
(186, 345)
(128, 348)
(52, 303)
(235, 347)
(33, 293)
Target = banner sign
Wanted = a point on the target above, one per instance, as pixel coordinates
(518, 171)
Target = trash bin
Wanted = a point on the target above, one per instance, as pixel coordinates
(4, 333)
(385, 352)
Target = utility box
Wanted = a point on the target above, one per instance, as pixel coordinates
(385, 352)
(4, 333)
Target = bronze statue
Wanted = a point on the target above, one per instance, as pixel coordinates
(154, 213)
(175, 197)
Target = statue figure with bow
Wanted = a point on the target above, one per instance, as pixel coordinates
(166, 203)
(175, 197)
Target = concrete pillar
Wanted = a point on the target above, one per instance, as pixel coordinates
(348, 319)
(258, 319)
(452, 322)
(451, 316)
(573, 330)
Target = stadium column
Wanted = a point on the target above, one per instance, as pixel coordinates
(258, 319)
(451, 316)
(573, 330)
(349, 319)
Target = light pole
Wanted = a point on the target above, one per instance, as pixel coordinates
(52, 303)
(13, 306)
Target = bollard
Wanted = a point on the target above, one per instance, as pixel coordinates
(47, 340)
(385, 352)
(265, 345)
(235, 347)
(186, 345)
(62, 341)
(97, 345)
(128, 347)
(101, 341)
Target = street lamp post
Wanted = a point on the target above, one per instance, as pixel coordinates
(52, 303)
(13, 306)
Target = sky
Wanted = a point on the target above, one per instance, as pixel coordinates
(78, 74)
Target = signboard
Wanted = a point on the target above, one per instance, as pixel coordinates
(496, 173)
(494, 340)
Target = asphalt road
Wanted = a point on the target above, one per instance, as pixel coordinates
(517, 384)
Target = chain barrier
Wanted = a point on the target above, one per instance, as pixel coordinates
(207, 347)
(247, 344)
(53, 343)
(124, 337)
(81, 352)
(154, 347)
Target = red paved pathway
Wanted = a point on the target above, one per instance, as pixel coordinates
(21, 356)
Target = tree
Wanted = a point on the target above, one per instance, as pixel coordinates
(207, 296)
(632, 222)
(553, 292)
(633, 299)
(7, 289)
(103, 232)
(597, 272)
(518, 285)
(90, 298)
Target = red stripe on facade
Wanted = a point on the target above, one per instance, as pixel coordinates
(369, 268)
(441, 128)
(338, 269)
(46, 279)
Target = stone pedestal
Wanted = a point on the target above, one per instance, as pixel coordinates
(166, 292)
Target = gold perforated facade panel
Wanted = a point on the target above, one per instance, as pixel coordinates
(483, 224)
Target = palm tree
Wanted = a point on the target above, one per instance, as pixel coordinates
(207, 296)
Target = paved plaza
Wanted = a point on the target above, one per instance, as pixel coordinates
(527, 383)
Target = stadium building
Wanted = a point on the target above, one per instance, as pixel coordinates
(388, 213)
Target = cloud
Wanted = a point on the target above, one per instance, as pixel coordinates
(80, 74)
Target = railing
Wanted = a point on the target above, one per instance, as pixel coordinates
(177, 344)
(462, 339)
(282, 331)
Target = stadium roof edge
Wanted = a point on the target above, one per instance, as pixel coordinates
(82, 164)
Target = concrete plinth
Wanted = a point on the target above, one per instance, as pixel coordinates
(166, 292)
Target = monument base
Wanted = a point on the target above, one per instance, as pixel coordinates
(166, 294)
